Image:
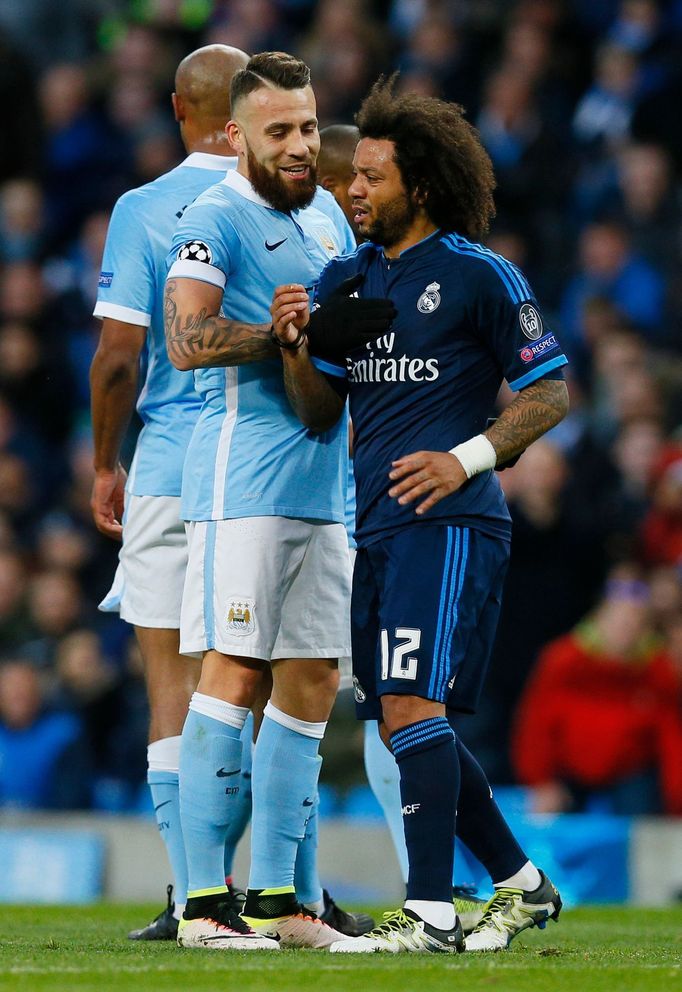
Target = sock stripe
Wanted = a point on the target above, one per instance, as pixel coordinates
(215, 890)
(414, 737)
(415, 728)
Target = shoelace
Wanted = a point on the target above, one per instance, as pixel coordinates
(393, 922)
(493, 914)
(226, 918)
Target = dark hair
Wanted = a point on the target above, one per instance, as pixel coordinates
(439, 155)
(282, 70)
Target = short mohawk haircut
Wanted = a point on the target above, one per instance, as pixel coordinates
(439, 154)
(269, 69)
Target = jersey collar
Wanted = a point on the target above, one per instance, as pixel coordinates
(204, 160)
(240, 184)
(416, 249)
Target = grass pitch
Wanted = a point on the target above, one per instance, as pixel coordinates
(85, 948)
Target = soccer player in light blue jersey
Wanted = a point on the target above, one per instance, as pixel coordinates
(268, 577)
(148, 587)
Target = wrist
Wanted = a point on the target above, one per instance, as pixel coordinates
(288, 345)
(475, 455)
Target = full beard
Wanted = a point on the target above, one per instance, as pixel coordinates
(391, 222)
(279, 194)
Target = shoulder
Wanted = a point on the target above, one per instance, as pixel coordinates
(484, 271)
(356, 261)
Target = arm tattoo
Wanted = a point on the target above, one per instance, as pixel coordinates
(316, 404)
(200, 341)
(533, 412)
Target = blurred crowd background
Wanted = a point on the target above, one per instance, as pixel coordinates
(578, 103)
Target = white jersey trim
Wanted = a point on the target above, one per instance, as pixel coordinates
(204, 160)
(240, 184)
(189, 269)
(225, 440)
(117, 312)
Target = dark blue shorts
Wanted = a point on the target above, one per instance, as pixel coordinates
(425, 607)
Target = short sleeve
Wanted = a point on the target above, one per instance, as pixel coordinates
(127, 283)
(205, 245)
(507, 317)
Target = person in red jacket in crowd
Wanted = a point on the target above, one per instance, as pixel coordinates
(601, 715)
(661, 534)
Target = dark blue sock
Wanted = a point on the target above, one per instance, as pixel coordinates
(429, 786)
(480, 823)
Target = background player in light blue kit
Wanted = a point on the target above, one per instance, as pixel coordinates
(268, 571)
(148, 587)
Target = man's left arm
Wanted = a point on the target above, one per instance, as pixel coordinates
(437, 474)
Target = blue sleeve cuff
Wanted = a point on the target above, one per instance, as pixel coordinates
(538, 373)
(328, 367)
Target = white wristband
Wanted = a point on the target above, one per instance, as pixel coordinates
(475, 455)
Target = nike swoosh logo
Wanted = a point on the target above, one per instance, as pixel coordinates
(221, 773)
(307, 802)
(162, 804)
(276, 244)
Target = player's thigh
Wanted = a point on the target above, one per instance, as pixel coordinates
(315, 613)
(238, 574)
(367, 572)
(429, 581)
(475, 626)
(171, 677)
(153, 561)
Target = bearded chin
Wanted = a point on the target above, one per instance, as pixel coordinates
(277, 192)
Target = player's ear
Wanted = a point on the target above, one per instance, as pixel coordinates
(326, 182)
(234, 136)
(178, 107)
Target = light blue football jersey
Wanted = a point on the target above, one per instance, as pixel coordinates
(131, 289)
(249, 454)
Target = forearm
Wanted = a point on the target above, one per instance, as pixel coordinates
(201, 340)
(113, 390)
(536, 409)
(313, 400)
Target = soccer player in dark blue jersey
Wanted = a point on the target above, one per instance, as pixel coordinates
(433, 529)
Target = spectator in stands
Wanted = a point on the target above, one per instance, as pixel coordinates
(600, 724)
(662, 528)
(43, 760)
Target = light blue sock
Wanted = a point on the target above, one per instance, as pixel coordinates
(384, 780)
(210, 782)
(166, 798)
(306, 875)
(241, 813)
(286, 767)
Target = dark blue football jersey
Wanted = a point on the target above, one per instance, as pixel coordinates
(466, 320)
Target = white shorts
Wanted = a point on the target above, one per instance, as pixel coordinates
(267, 587)
(147, 588)
(346, 662)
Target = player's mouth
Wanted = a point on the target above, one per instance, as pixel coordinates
(296, 172)
(359, 213)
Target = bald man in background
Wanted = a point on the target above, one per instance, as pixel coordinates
(147, 590)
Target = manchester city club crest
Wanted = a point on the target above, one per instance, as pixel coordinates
(430, 298)
(530, 321)
(241, 618)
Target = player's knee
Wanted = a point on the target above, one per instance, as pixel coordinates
(401, 710)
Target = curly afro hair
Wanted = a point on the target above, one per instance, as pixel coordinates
(439, 155)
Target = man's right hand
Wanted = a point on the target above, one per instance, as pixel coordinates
(106, 501)
(345, 323)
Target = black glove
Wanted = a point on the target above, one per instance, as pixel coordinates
(345, 323)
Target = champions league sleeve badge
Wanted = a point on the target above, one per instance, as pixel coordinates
(430, 298)
(195, 251)
(530, 321)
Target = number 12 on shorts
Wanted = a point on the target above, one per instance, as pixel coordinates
(400, 665)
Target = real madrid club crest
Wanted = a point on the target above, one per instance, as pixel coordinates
(241, 616)
(430, 298)
(358, 691)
